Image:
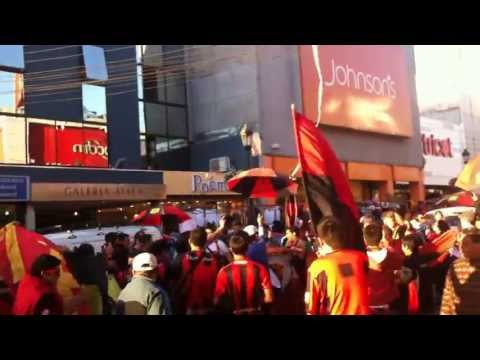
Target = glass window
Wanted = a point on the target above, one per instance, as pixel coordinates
(152, 55)
(95, 64)
(11, 93)
(177, 144)
(42, 142)
(140, 82)
(173, 54)
(11, 57)
(67, 143)
(94, 103)
(156, 119)
(177, 122)
(153, 84)
(143, 146)
(12, 140)
(176, 90)
(141, 117)
(161, 145)
(95, 149)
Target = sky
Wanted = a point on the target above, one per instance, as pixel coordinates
(445, 72)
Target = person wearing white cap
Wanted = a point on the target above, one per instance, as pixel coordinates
(142, 296)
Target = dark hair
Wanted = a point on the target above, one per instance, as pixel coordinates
(158, 247)
(294, 229)
(85, 250)
(372, 234)
(142, 237)
(181, 245)
(412, 242)
(443, 226)
(330, 231)
(211, 226)
(42, 263)
(198, 237)
(238, 242)
(237, 222)
(278, 227)
(111, 238)
(123, 236)
(170, 223)
(120, 256)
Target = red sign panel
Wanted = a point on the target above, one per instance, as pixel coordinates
(67, 146)
(359, 87)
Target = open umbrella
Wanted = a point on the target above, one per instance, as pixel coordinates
(153, 217)
(462, 198)
(259, 183)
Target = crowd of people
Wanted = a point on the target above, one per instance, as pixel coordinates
(258, 269)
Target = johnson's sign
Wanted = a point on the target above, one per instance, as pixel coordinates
(359, 87)
(436, 147)
(371, 84)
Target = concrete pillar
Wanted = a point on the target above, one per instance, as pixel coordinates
(30, 218)
(387, 190)
(417, 192)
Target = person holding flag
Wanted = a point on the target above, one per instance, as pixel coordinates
(37, 292)
(337, 282)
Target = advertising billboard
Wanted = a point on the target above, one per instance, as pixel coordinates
(360, 87)
(442, 145)
(67, 145)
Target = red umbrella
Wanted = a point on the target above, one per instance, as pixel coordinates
(463, 198)
(259, 183)
(153, 217)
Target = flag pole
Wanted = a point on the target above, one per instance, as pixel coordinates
(293, 173)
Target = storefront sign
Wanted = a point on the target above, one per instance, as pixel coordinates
(358, 87)
(185, 183)
(436, 147)
(68, 146)
(14, 188)
(96, 192)
(443, 143)
(199, 185)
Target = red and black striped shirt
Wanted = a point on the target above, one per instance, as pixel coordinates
(242, 285)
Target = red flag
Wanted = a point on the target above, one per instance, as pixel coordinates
(18, 250)
(326, 186)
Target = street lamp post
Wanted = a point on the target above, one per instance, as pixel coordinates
(465, 156)
(246, 135)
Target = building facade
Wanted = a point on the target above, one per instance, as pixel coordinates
(69, 133)
(378, 141)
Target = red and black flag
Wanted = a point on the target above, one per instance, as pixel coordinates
(326, 186)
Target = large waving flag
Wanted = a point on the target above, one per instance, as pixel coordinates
(326, 186)
(18, 250)
(469, 178)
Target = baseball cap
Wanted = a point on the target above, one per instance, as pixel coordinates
(251, 230)
(144, 262)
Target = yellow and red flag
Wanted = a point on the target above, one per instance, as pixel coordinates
(18, 250)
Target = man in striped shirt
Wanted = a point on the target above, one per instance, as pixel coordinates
(461, 295)
(243, 287)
